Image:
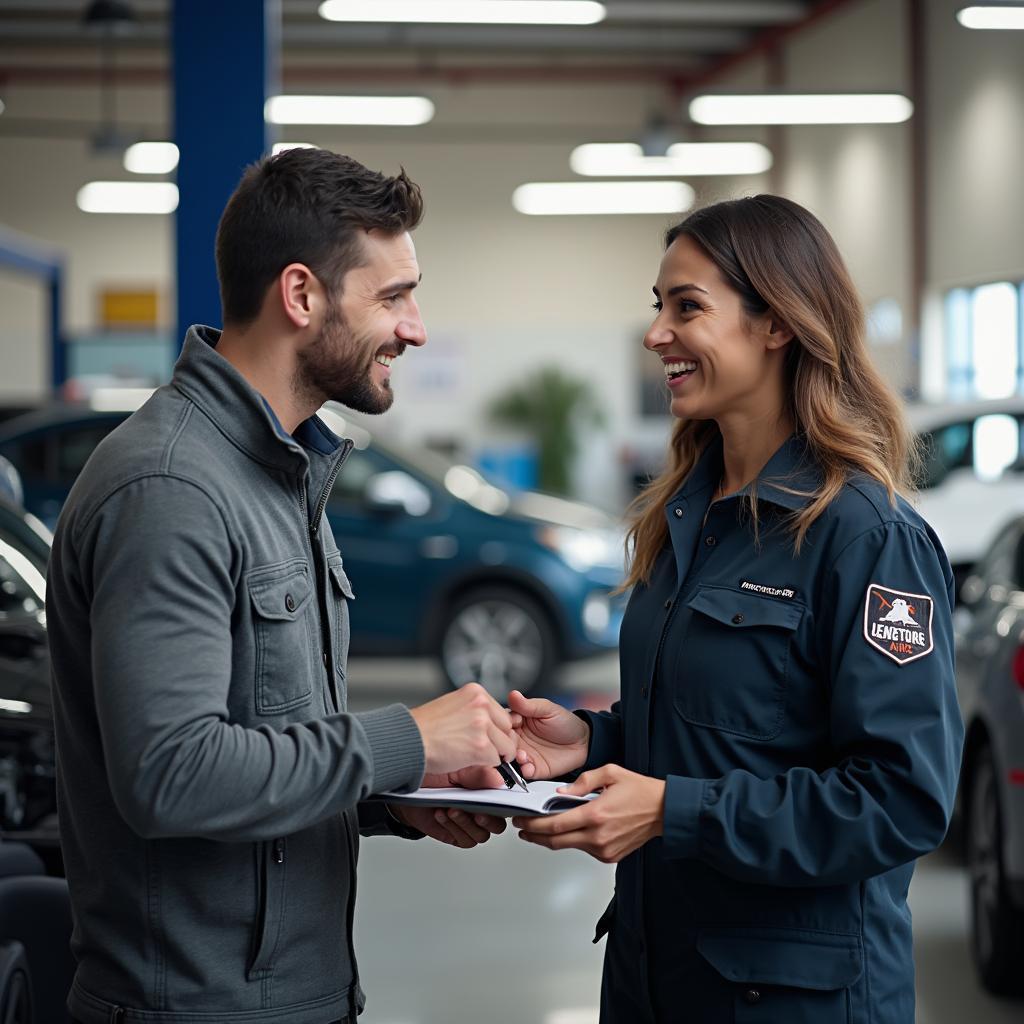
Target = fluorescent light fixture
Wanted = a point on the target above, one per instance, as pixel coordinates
(16, 707)
(281, 147)
(467, 12)
(558, 198)
(1004, 16)
(151, 158)
(128, 197)
(823, 108)
(393, 110)
(626, 159)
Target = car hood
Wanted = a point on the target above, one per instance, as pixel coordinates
(553, 511)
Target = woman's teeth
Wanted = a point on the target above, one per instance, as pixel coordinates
(674, 369)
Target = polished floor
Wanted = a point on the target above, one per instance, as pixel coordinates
(501, 934)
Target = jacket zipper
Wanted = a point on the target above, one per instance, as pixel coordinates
(278, 851)
(117, 1015)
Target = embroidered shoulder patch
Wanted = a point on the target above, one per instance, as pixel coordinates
(897, 623)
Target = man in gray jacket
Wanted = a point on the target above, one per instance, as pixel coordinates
(209, 777)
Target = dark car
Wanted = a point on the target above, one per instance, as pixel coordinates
(27, 803)
(499, 587)
(990, 680)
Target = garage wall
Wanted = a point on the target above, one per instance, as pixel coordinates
(503, 293)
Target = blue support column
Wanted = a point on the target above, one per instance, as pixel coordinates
(226, 59)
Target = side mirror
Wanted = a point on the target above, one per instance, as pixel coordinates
(394, 491)
(971, 590)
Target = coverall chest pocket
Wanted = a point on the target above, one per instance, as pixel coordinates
(281, 604)
(731, 666)
(341, 590)
(778, 978)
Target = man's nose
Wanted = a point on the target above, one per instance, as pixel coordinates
(411, 330)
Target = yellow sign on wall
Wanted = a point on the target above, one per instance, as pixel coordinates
(123, 307)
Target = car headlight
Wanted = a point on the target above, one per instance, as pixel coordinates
(584, 549)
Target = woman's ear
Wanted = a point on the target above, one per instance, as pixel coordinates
(780, 333)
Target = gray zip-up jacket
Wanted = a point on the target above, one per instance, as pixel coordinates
(208, 774)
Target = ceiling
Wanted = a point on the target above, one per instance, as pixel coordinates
(675, 44)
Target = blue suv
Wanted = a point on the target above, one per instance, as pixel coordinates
(499, 587)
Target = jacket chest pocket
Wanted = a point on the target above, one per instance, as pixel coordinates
(281, 598)
(779, 978)
(731, 666)
(341, 590)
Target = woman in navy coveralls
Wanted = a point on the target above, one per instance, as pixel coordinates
(788, 739)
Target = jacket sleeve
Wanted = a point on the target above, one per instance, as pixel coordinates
(896, 738)
(159, 567)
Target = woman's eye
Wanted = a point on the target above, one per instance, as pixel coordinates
(656, 306)
(686, 306)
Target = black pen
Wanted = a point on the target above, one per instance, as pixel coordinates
(509, 772)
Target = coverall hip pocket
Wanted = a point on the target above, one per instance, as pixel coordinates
(783, 975)
(731, 667)
(281, 597)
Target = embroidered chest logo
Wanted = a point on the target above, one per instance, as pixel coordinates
(762, 588)
(897, 623)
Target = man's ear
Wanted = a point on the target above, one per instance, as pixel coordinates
(300, 294)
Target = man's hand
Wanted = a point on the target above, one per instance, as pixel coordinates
(550, 740)
(629, 812)
(452, 825)
(465, 727)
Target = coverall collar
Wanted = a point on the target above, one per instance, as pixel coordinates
(789, 469)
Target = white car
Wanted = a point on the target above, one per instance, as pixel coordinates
(973, 482)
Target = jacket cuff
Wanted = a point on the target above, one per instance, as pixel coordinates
(684, 798)
(604, 740)
(396, 747)
(377, 819)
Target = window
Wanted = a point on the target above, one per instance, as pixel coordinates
(984, 341)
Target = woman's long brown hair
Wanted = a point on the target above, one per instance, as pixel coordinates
(779, 257)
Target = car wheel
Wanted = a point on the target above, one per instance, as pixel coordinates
(500, 638)
(997, 927)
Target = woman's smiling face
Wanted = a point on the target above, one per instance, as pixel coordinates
(718, 360)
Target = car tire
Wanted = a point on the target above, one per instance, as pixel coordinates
(500, 637)
(997, 927)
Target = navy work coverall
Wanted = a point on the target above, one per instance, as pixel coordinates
(803, 713)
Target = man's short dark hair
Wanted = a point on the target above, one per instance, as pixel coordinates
(304, 206)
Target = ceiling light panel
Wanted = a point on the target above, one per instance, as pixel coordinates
(626, 159)
(785, 108)
(385, 110)
(984, 16)
(128, 197)
(151, 158)
(466, 12)
(583, 198)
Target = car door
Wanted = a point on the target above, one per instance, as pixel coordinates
(384, 518)
(992, 598)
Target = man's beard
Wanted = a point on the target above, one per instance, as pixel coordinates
(338, 367)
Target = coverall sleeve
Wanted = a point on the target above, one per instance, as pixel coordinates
(162, 600)
(605, 737)
(896, 734)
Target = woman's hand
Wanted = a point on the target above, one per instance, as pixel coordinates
(551, 741)
(629, 812)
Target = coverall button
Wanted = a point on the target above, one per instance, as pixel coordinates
(710, 541)
(678, 513)
(668, 603)
(752, 995)
(737, 618)
(289, 602)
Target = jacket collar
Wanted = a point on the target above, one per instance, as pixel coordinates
(240, 412)
(790, 468)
